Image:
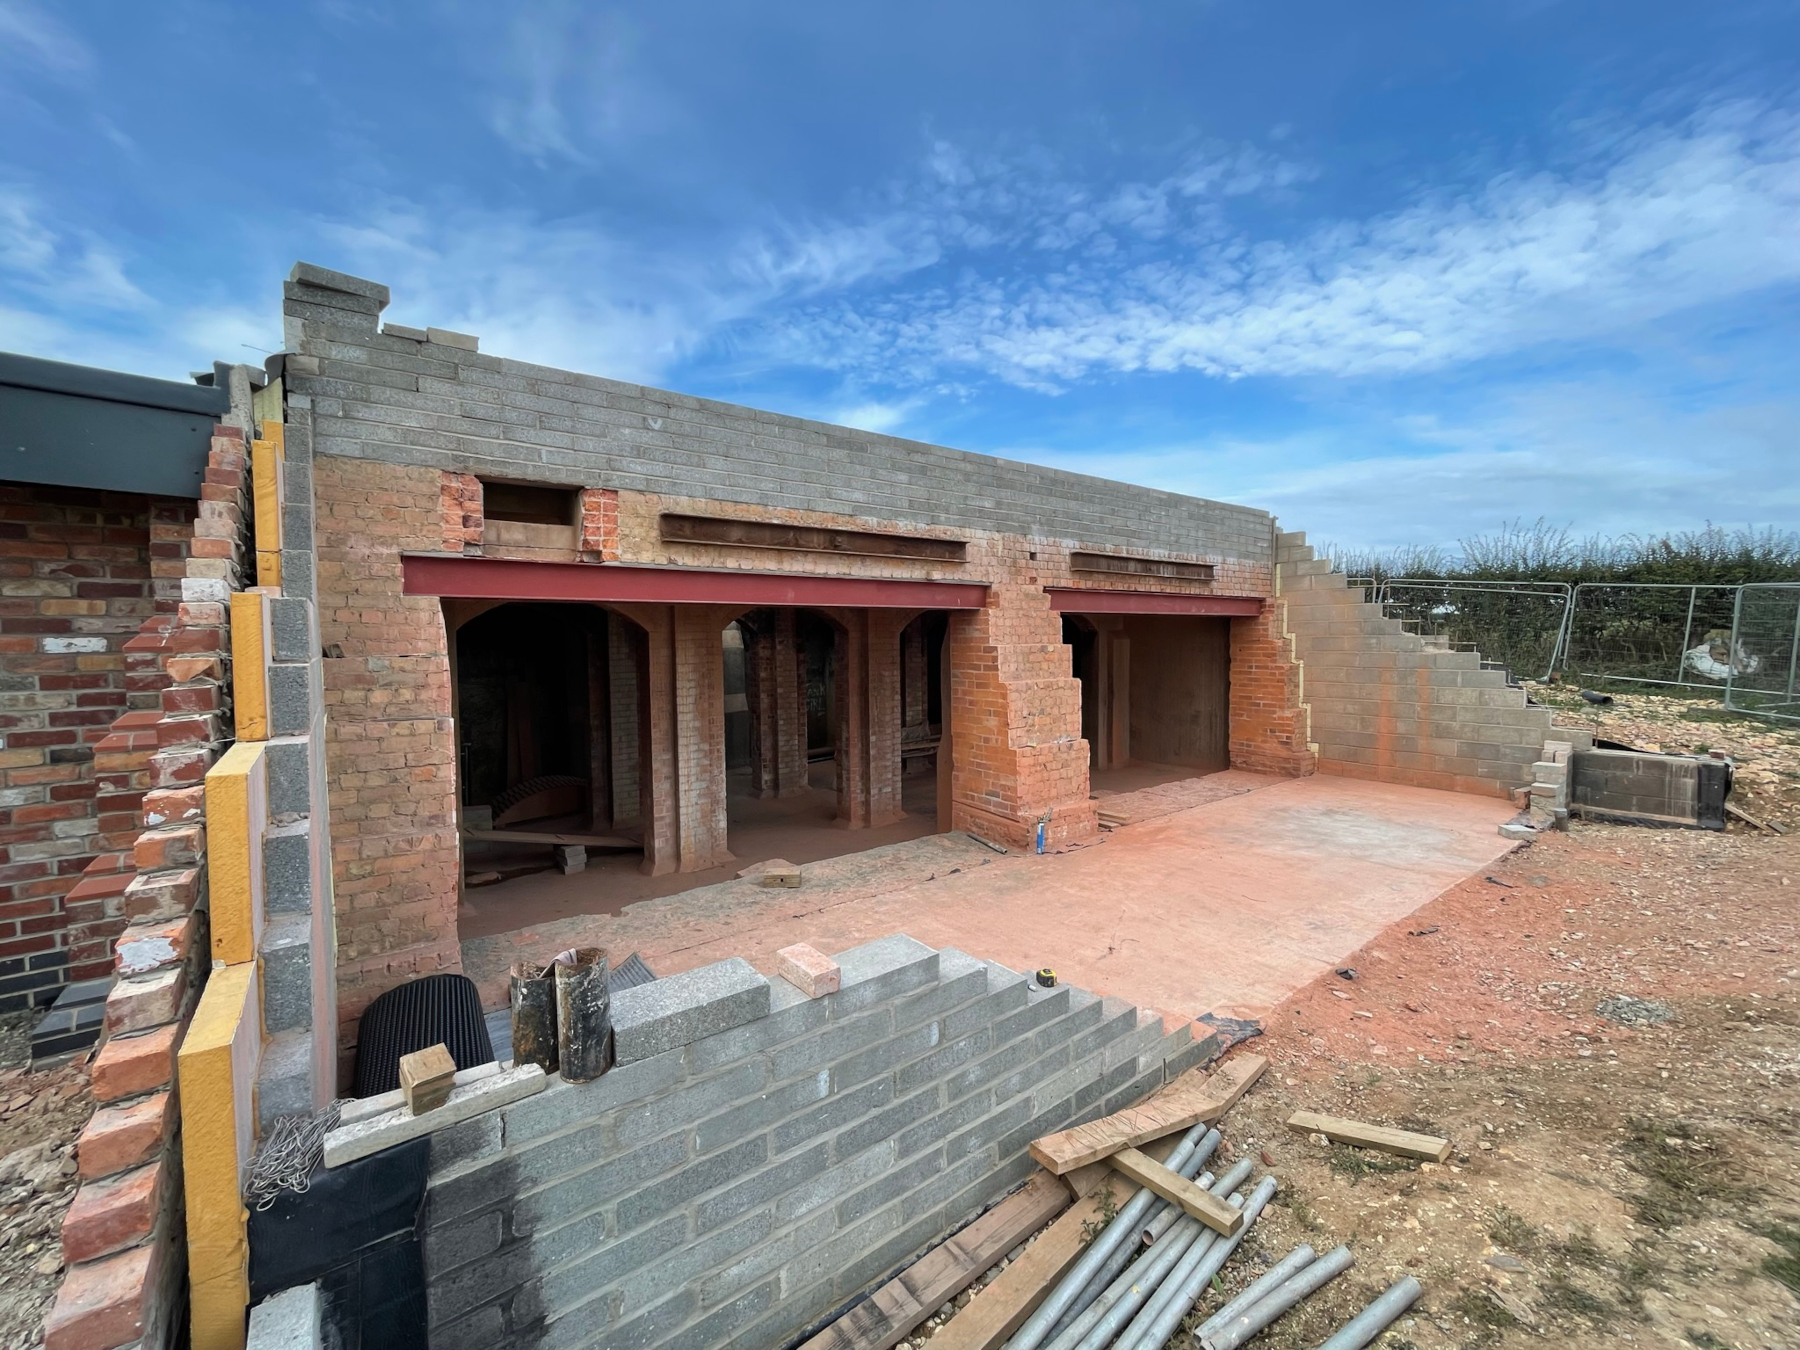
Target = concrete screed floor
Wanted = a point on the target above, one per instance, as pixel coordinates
(1228, 905)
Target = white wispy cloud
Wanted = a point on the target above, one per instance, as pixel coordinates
(1643, 226)
(31, 36)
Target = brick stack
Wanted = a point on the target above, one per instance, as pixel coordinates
(1270, 726)
(122, 1235)
(459, 502)
(599, 525)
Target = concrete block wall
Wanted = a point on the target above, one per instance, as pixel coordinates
(759, 1159)
(1387, 704)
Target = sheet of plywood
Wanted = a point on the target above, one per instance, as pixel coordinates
(1403, 1142)
(1190, 1099)
(884, 1318)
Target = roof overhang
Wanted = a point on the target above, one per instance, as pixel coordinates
(77, 426)
(1076, 600)
(514, 579)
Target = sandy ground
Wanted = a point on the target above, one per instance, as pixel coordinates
(1611, 1184)
(40, 1116)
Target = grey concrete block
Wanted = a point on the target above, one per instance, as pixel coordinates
(715, 1326)
(697, 1178)
(766, 1258)
(290, 629)
(483, 1329)
(679, 1009)
(942, 1184)
(761, 1111)
(291, 699)
(294, 1319)
(323, 278)
(349, 1142)
(678, 1110)
(400, 330)
(881, 970)
(287, 973)
(839, 1039)
(562, 1105)
(935, 1129)
(839, 1179)
(287, 869)
(942, 1061)
(458, 1244)
(690, 1264)
(866, 1133)
(893, 1183)
(444, 337)
(836, 1111)
(884, 1056)
(465, 1142)
(284, 1078)
(290, 790)
(608, 1263)
(562, 1194)
(761, 1187)
(785, 1023)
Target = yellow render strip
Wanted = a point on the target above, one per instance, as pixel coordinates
(236, 796)
(249, 658)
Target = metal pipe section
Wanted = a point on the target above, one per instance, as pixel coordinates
(1278, 1300)
(1124, 1225)
(1161, 1219)
(1134, 1333)
(1374, 1319)
(1186, 1292)
(1127, 1293)
(1291, 1264)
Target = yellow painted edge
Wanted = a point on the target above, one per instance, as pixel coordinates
(268, 569)
(218, 1253)
(265, 487)
(275, 433)
(249, 679)
(230, 835)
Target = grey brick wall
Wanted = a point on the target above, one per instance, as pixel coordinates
(736, 1190)
(385, 396)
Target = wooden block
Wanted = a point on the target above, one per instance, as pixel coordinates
(426, 1077)
(1403, 1142)
(788, 877)
(1190, 1099)
(1001, 1308)
(809, 970)
(1177, 1189)
(884, 1318)
(1084, 1181)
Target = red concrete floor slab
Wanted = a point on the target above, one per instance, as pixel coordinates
(1229, 906)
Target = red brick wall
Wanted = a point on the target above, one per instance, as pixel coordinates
(388, 738)
(1269, 722)
(76, 583)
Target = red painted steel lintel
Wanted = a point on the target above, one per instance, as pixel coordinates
(517, 579)
(1072, 600)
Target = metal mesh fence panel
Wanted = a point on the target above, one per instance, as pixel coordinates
(1649, 633)
(1765, 652)
(1517, 626)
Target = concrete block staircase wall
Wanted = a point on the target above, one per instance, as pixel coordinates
(1394, 706)
(771, 1156)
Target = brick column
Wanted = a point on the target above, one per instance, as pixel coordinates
(1018, 756)
(600, 810)
(790, 705)
(459, 499)
(1270, 724)
(913, 706)
(765, 712)
(599, 525)
(699, 689)
(624, 656)
(659, 780)
(850, 676)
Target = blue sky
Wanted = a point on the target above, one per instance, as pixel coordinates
(1398, 272)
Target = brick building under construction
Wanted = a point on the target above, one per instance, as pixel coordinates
(448, 620)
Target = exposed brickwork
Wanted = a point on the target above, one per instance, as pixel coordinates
(388, 731)
(459, 503)
(1270, 724)
(80, 572)
(138, 910)
(599, 525)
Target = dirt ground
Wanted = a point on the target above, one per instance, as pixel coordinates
(1612, 1182)
(40, 1116)
(1766, 782)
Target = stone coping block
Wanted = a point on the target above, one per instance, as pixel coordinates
(291, 1320)
(358, 1140)
(678, 1009)
(365, 1108)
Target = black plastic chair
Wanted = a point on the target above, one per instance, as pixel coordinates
(415, 1016)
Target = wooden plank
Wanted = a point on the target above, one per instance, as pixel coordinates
(1190, 1099)
(1362, 1135)
(1084, 1181)
(1172, 1186)
(884, 1318)
(1001, 1308)
(535, 837)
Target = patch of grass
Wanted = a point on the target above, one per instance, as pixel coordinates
(1784, 1266)
(1580, 1249)
(1684, 1166)
(1511, 1231)
(1560, 1296)
(1357, 1163)
(1109, 1210)
(1302, 1213)
(1484, 1312)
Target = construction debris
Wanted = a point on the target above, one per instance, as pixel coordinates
(776, 872)
(1192, 1099)
(1240, 1328)
(1361, 1135)
(1177, 1189)
(1376, 1318)
(426, 1077)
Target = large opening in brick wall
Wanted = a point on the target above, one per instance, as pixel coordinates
(1155, 696)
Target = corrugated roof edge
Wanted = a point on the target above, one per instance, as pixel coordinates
(62, 377)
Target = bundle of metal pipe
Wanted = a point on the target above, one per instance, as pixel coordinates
(1126, 1225)
(1183, 1288)
(1128, 1292)
(1162, 1215)
(1245, 1324)
(1291, 1264)
(1374, 1319)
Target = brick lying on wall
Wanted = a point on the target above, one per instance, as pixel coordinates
(769, 1156)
